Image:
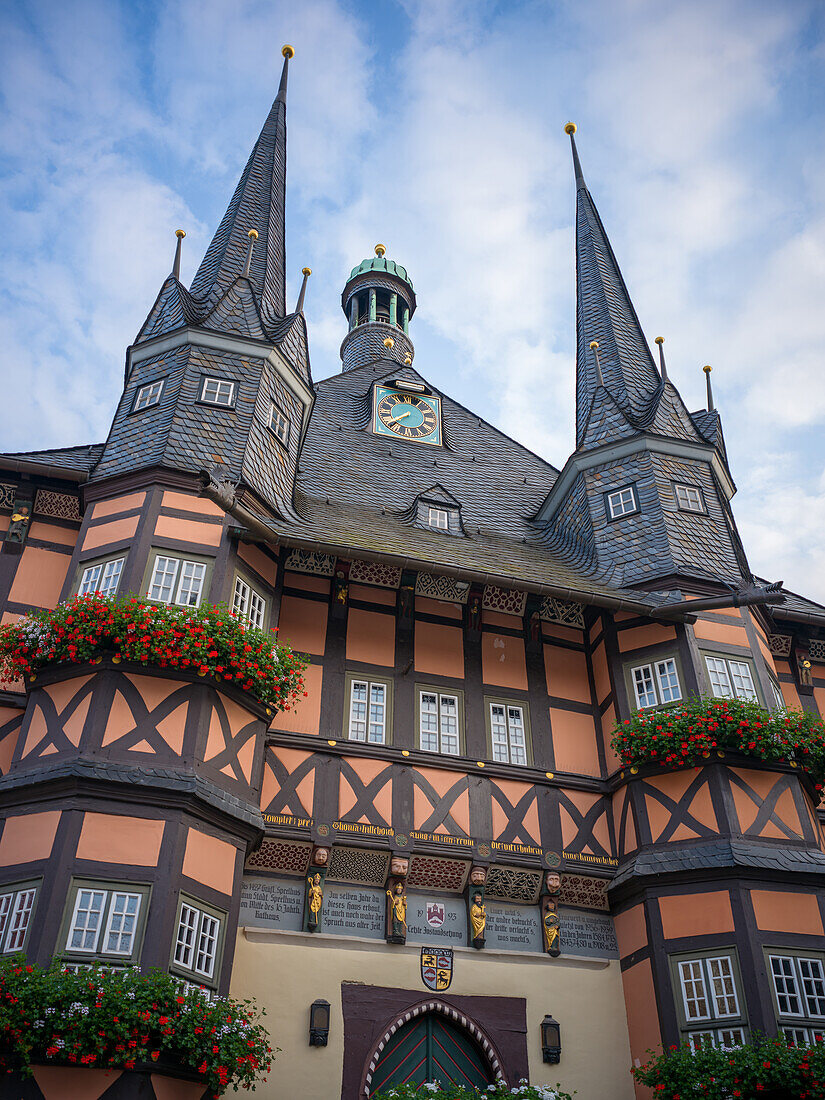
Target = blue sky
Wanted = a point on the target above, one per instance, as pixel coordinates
(435, 126)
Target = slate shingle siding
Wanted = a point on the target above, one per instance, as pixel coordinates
(365, 344)
(268, 466)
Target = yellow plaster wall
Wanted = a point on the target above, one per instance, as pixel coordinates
(287, 971)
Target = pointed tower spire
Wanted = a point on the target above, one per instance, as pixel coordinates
(605, 313)
(707, 369)
(259, 204)
(660, 340)
(180, 234)
(306, 272)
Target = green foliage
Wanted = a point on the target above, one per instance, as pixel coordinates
(685, 734)
(431, 1090)
(764, 1068)
(120, 1018)
(208, 640)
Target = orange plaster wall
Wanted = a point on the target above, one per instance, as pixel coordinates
(370, 637)
(642, 1014)
(446, 610)
(263, 565)
(565, 633)
(785, 911)
(366, 770)
(638, 636)
(209, 860)
(601, 675)
(439, 649)
(696, 914)
(305, 716)
(631, 930)
(608, 722)
(189, 530)
(303, 624)
(186, 502)
(368, 593)
(110, 838)
(819, 697)
(27, 837)
(791, 697)
(128, 503)
(306, 582)
(39, 577)
(48, 532)
(499, 618)
(721, 632)
(574, 742)
(116, 530)
(566, 672)
(503, 661)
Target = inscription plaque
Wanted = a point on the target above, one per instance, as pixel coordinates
(272, 903)
(354, 911)
(585, 933)
(432, 919)
(513, 928)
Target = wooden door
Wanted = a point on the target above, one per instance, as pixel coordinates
(430, 1048)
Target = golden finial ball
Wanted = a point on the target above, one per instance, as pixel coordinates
(288, 52)
(380, 249)
(570, 128)
(408, 361)
(253, 234)
(306, 270)
(389, 342)
(659, 340)
(707, 369)
(180, 234)
(594, 345)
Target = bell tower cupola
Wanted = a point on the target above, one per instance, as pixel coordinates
(378, 301)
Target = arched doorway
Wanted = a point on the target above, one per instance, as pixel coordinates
(435, 1045)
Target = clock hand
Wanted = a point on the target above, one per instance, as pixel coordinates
(401, 417)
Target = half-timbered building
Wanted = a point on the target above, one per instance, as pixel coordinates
(477, 621)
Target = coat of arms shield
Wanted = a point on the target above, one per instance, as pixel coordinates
(437, 968)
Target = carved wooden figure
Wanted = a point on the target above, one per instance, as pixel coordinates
(396, 912)
(314, 902)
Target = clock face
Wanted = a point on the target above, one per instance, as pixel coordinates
(407, 415)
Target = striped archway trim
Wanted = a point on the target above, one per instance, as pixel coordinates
(422, 1009)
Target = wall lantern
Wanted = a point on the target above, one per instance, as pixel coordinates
(319, 1023)
(550, 1040)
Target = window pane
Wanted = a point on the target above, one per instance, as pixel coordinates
(438, 518)
(515, 721)
(668, 677)
(429, 721)
(621, 502)
(378, 694)
(20, 917)
(279, 423)
(185, 942)
(718, 673)
(813, 985)
(694, 996)
(731, 1037)
(257, 609)
(85, 927)
(207, 945)
(191, 583)
(689, 498)
(217, 392)
(742, 680)
(698, 1039)
(449, 724)
(358, 711)
(123, 914)
(721, 983)
(111, 577)
(643, 686)
(90, 581)
(796, 1036)
(5, 908)
(498, 731)
(784, 982)
(778, 698)
(163, 579)
(240, 598)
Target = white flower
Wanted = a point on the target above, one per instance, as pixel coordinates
(432, 1086)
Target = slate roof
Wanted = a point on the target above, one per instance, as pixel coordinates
(795, 603)
(74, 459)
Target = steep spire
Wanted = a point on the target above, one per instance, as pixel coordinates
(258, 204)
(604, 313)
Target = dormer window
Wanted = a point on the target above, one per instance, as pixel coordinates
(689, 498)
(218, 391)
(438, 518)
(622, 502)
(148, 395)
(279, 424)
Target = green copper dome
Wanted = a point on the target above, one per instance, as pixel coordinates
(378, 262)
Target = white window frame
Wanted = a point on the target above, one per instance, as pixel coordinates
(73, 927)
(653, 680)
(278, 423)
(368, 717)
(511, 748)
(120, 932)
(103, 577)
(16, 908)
(690, 498)
(248, 603)
(715, 981)
(776, 692)
(151, 391)
(617, 502)
(718, 665)
(220, 387)
(438, 518)
(793, 971)
(197, 940)
(443, 734)
(187, 576)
